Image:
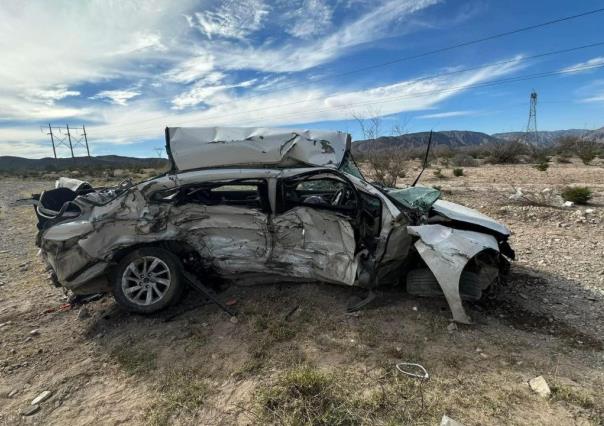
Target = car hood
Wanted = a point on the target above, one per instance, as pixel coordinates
(470, 216)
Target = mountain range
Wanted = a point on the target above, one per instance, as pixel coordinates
(464, 138)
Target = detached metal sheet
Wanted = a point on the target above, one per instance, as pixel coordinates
(206, 147)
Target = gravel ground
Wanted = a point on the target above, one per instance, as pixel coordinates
(191, 365)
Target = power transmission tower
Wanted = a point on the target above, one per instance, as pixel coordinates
(531, 136)
(69, 137)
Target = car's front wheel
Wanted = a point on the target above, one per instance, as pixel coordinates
(147, 280)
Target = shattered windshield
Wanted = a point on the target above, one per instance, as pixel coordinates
(349, 166)
(418, 197)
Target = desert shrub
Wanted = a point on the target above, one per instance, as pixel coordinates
(507, 152)
(464, 160)
(458, 172)
(577, 194)
(542, 167)
(572, 145)
(438, 173)
(587, 156)
(386, 168)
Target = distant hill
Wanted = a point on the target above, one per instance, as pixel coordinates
(11, 164)
(546, 137)
(463, 138)
(450, 138)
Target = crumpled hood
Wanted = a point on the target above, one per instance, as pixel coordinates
(460, 213)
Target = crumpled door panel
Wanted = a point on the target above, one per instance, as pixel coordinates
(314, 244)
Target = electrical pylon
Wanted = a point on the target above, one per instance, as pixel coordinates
(531, 136)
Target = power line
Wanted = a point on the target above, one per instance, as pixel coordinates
(540, 55)
(411, 57)
(443, 74)
(451, 89)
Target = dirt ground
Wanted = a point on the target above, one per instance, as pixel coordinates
(295, 356)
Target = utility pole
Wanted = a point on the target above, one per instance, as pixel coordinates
(532, 135)
(52, 140)
(70, 145)
(64, 136)
(86, 140)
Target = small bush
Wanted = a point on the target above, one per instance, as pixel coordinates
(438, 173)
(542, 167)
(577, 194)
(507, 152)
(464, 160)
(457, 172)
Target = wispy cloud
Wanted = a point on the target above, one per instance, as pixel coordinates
(447, 114)
(231, 19)
(117, 97)
(292, 57)
(580, 67)
(50, 95)
(311, 18)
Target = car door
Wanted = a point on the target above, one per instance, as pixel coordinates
(227, 222)
(313, 234)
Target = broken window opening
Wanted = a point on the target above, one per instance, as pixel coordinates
(251, 194)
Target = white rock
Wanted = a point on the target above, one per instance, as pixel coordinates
(540, 386)
(589, 211)
(448, 421)
(568, 204)
(41, 398)
(34, 332)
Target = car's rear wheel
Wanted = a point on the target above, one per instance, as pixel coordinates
(147, 280)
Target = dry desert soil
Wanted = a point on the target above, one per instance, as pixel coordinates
(294, 356)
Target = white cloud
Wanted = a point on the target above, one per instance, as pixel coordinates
(49, 96)
(581, 65)
(117, 97)
(232, 19)
(289, 57)
(312, 18)
(446, 114)
(205, 91)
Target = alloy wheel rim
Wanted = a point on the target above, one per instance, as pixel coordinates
(146, 280)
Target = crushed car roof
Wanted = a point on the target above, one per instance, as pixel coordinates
(192, 148)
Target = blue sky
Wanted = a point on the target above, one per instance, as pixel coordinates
(127, 69)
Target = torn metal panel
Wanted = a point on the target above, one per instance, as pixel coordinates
(467, 215)
(314, 244)
(205, 147)
(446, 251)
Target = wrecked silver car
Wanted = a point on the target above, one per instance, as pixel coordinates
(261, 205)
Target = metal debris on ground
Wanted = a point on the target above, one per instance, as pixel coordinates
(540, 386)
(448, 421)
(404, 367)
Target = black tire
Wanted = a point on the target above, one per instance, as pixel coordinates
(124, 283)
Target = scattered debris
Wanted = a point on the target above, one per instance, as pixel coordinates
(403, 367)
(234, 319)
(540, 386)
(41, 398)
(32, 409)
(83, 313)
(452, 327)
(34, 332)
(13, 393)
(448, 421)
